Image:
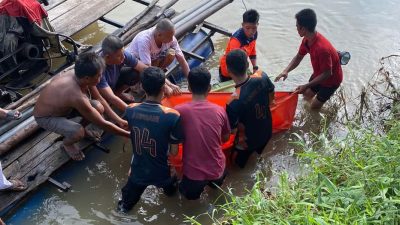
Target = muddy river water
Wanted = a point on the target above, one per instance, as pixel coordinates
(369, 29)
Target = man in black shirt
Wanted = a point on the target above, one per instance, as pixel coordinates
(248, 110)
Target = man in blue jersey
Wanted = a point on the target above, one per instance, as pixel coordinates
(155, 133)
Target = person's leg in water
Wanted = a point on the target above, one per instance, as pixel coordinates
(131, 194)
(170, 189)
(191, 189)
(318, 95)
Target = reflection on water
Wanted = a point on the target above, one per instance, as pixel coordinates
(366, 28)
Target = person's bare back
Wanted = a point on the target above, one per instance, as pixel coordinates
(69, 92)
(59, 97)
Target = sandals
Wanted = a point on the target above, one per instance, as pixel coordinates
(17, 185)
(12, 115)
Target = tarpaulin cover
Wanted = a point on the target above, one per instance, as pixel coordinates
(30, 9)
(283, 111)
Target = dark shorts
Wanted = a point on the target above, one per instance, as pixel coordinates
(323, 93)
(132, 192)
(128, 77)
(192, 189)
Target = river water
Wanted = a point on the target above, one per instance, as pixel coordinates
(368, 29)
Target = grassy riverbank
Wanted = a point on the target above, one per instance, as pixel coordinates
(355, 180)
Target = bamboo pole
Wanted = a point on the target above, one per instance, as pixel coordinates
(18, 136)
(131, 23)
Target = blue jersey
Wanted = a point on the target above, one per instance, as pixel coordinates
(111, 73)
(153, 128)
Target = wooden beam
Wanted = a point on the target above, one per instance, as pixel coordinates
(217, 28)
(72, 16)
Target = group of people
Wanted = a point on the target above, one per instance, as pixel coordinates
(99, 81)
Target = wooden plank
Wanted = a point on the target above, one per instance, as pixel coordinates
(62, 9)
(32, 158)
(22, 149)
(39, 174)
(81, 15)
(53, 4)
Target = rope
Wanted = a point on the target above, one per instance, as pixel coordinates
(244, 4)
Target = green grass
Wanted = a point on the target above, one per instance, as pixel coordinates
(355, 180)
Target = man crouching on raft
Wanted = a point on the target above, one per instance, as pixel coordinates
(72, 91)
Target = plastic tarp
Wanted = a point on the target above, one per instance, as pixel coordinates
(283, 111)
(29, 9)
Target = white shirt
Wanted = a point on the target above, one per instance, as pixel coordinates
(144, 47)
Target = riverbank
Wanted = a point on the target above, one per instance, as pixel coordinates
(353, 179)
(357, 182)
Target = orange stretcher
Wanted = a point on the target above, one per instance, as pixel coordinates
(283, 111)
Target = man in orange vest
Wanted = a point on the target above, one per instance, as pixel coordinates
(245, 39)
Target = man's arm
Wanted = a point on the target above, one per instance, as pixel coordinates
(107, 108)
(292, 65)
(325, 75)
(226, 128)
(140, 66)
(111, 98)
(88, 112)
(184, 65)
(175, 137)
(271, 97)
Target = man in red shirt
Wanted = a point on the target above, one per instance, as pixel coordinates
(206, 127)
(327, 71)
(245, 39)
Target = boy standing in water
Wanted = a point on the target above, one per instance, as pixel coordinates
(155, 133)
(327, 71)
(245, 39)
(206, 125)
(248, 110)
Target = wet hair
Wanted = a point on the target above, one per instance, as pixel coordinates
(165, 25)
(111, 44)
(236, 62)
(153, 80)
(199, 80)
(88, 64)
(307, 18)
(251, 16)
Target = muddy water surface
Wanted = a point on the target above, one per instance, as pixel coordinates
(368, 29)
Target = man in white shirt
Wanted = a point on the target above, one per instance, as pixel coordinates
(158, 47)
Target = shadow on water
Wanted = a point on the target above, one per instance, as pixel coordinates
(361, 27)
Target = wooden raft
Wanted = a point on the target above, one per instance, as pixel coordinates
(70, 16)
(35, 159)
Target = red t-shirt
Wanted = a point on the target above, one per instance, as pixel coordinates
(323, 57)
(203, 125)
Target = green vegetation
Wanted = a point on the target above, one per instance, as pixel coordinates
(355, 180)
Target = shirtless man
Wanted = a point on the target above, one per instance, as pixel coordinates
(72, 91)
(158, 47)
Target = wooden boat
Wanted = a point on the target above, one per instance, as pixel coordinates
(31, 154)
(283, 112)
